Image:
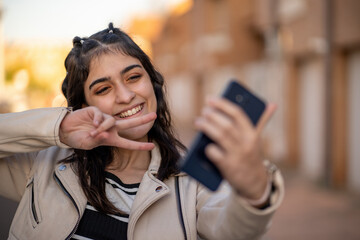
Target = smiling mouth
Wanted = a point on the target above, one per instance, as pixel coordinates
(131, 112)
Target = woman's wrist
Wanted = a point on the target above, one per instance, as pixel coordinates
(62, 135)
(264, 200)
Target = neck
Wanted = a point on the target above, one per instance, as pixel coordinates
(127, 160)
(130, 160)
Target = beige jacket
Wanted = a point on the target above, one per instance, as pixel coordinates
(52, 202)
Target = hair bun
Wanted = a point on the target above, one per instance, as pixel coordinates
(77, 41)
(111, 26)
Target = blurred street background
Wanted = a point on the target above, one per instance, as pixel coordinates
(303, 55)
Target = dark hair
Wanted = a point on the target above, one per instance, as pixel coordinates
(91, 163)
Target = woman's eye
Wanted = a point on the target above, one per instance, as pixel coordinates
(134, 77)
(101, 90)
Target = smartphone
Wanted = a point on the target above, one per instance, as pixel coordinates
(195, 163)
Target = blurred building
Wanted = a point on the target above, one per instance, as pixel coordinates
(2, 47)
(302, 54)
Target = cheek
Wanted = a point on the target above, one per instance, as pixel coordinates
(102, 103)
(147, 92)
(153, 101)
(105, 105)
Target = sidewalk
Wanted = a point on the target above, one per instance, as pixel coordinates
(310, 211)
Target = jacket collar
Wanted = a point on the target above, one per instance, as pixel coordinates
(155, 160)
(69, 179)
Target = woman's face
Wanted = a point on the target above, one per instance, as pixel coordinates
(120, 86)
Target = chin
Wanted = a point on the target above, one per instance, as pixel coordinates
(137, 133)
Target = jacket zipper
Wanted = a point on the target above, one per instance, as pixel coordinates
(73, 201)
(33, 209)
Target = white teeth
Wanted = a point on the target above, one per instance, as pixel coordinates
(130, 112)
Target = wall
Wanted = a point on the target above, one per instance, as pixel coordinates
(353, 121)
(312, 117)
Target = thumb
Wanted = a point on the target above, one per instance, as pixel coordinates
(268, 113)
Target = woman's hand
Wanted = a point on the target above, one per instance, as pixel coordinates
(236, 151)
(88, 128)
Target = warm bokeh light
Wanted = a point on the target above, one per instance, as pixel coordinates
(144, 30)
(182, 7)
(34, 72)
(303, 55)
(34, 67)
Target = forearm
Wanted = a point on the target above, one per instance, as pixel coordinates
(227, 215)
(30, 131)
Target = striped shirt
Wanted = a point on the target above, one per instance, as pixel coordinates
(96, 225)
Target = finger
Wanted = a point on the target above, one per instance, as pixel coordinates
(220, 122)
(213, 132)
(269, 112)
(232, 110)
(217, 156)
(134, 122)
(133, 145)
(108, 123)
(98, 117)
(129, 144)
(214, 153)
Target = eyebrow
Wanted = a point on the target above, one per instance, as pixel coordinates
(98, 81)
(128, 68)
(125, 70)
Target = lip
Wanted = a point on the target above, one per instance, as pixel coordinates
(117, 115)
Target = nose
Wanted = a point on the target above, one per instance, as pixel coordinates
(124, 94)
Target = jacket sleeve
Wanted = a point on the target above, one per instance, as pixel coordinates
(22, 134)
(30, 131)
(225, 215)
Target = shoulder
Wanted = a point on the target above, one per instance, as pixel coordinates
(50, 157)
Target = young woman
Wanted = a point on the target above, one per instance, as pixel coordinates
(106, 168)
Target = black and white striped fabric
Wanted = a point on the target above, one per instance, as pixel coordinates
(96, 225)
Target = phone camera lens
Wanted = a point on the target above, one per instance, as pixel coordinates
(239, 98)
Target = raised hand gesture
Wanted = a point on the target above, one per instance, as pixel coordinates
(237, 150)
(88, 128)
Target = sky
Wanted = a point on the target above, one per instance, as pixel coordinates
(59, 21)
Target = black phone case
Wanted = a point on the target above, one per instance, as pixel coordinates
(195, 163)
